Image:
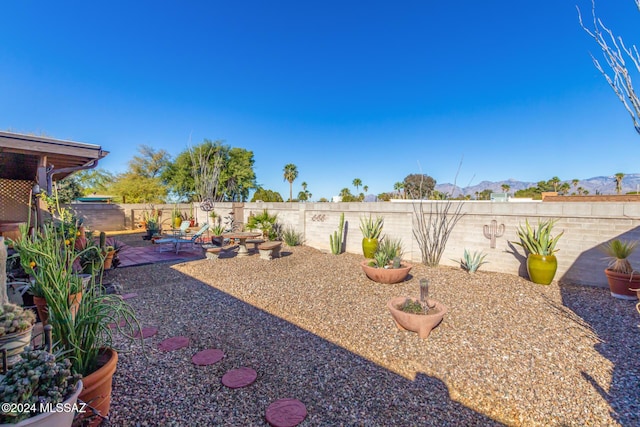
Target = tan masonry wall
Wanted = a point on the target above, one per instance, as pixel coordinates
(586, 225)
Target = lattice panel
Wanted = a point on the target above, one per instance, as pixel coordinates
(14, 200)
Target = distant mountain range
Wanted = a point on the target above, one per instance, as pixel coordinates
(595, 185)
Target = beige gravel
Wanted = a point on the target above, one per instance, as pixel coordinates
(316, 329)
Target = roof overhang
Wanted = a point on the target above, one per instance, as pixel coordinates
(22, 155)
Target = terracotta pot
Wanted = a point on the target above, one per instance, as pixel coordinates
(386, 275)
(369, 247)
(56, 418)
(420, 323)
(14, 344)
(108, 259)
(41, 308)
(541, 268)
(97, 385)
(620, 284)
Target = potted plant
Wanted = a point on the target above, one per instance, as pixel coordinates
(55, 387)
(371, 230)
(421, 316)
(152, 223)
(540, 246)
(387, 266)
(82, 332)
(622, 278)
(16, 324)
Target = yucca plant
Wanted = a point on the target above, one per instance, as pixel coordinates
(292, 237)
(617, 252)
(538, 241)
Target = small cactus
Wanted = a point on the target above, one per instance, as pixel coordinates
(396, 262)
(103, 240)
(14, 319)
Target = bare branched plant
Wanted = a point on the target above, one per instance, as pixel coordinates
(433, 228)
(206, 163)
(615, 51)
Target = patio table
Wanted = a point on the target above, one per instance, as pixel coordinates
(242, 236)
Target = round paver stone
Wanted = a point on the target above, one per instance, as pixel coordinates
(147, 332)
(128, 296)
(240, 377)
(173, 343)
(286, 413)
(207, 357)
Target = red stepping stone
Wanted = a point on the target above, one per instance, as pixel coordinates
(173, 343)
(121, 323)
(128, 296)
(286, 413)
(147, 332)
(207, 357)
(240, 377)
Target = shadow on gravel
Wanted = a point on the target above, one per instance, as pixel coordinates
(338, 387)
(616, 325)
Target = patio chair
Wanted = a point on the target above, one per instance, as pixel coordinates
(182, 231)
(177, 241)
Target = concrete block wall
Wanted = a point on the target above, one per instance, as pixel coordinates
(586, 226)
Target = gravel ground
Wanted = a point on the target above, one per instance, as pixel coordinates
(509, 352)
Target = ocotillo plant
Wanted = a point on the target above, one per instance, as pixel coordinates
(492, 231)
(335, 240)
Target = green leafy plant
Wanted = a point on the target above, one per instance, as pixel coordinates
(292, 237)
(471, 261)
(336, 239)
(617, 252)
(15, 319)
(412, 306)
(389, 253)
(38, 378)
(264, 222)
(538, 241)
(371, 228)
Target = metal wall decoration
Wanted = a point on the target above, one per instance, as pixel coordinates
(493, 230)
(206, 205)
(318, 218)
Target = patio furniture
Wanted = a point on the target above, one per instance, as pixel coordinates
(177, 242)
(269, 250)
(242, 236)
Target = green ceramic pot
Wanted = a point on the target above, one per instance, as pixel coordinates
(541, 268)
(369, 247)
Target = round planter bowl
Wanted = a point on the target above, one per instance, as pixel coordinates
(54, 419)
(420, 323)
(386, 275)
(542, 268)
(14, 344)
(621, 284)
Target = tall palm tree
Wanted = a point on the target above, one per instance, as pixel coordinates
(618, 178)
(365, 188)
(398, 186)
(505, 188)
(290, 175)
(555, 181)
(357, 182)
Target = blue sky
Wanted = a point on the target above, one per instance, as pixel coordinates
(374, 90)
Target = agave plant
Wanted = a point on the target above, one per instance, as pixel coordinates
(538, 241)
(371, 228)
(471, 261)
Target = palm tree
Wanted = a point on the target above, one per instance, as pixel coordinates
(365, 188)
(290, 174)
(357, 182)
(555, 181)
(398, 186)
(618, 178)
(304, 186)
(505, 188)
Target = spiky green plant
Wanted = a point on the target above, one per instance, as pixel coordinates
(388, 250)
(538, 241)
(292, 237)
(471, 261)
(335, 240)
(617, 252)
(15, 319)
(371, 228)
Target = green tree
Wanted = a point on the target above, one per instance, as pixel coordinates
(290, 175)
(399, 188)
(618, 178)
(150, 163)
(237, 177)
(365, 188)
(266, 196)
(555, 182)
(505, 188)
(419, 186)
(68, 189)
(564, 188)
(357, 182)
(94, 180)
(346, 195)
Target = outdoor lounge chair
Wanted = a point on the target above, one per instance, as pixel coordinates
(177, 242)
